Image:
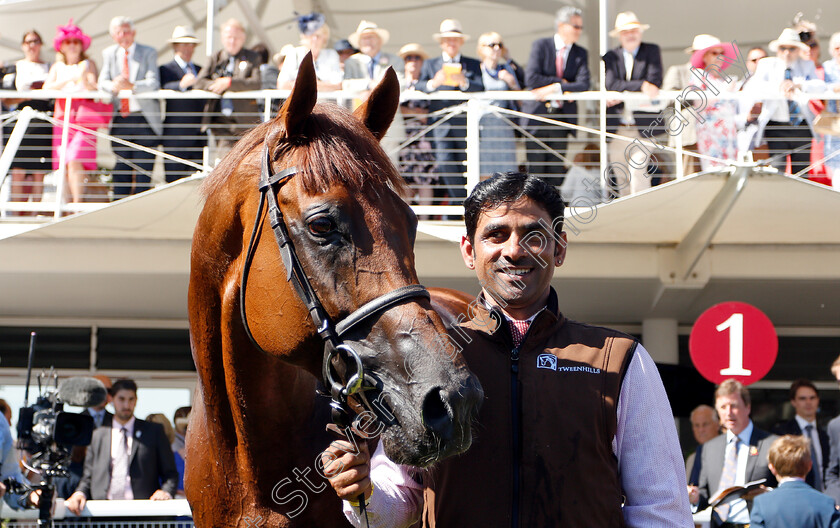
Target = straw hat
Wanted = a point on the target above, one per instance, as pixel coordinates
(183, 35)
(703, 43)
(450, 28)
(368, 27)
(70, 31)
(789, 37)
(412, 49)
(627, 20)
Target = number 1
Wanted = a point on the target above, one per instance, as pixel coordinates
(735, 324)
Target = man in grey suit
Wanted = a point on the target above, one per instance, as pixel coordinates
(365, 69)
(132, 459)
(735, 458)
(129, 66)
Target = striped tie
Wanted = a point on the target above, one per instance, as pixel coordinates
(727, 477)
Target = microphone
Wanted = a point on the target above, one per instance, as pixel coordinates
(82, 392)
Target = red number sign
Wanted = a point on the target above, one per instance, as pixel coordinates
(733, 340)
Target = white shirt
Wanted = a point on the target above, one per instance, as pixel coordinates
(116, 438)
(815, 439)
(560, 45)
(98, 416)
(649, 462)
(133, 103)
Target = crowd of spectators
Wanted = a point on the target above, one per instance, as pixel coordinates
(773, 115)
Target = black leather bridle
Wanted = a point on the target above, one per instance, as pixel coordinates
(334, 346)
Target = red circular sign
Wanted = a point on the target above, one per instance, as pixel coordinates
(733, 340)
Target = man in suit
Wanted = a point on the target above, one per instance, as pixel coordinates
(806, 401)
(705, 425)
(231, 69)
(182, 135)
(793, 504)
(832, 472)
(129, 66)
(734, 458)
(450, 136)
(634, 66)
(365, 69)
(132, 459)
(556, 65)
(786, 124)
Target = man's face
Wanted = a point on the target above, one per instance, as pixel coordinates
(514, 256)
(570, 31)
(806, 402)
(704, 426)
(233, 39)
(752, 59)
(184, 50)
(734, 413)
(124, 402)
(451, 45)
(370, 44)
(630, 38)
(124, 36)
(788, 54)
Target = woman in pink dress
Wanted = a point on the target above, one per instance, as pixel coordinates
(73, 72)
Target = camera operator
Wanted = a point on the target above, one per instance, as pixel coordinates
(9, 467)
(132, 459)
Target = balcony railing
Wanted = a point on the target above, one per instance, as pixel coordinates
(486, 138)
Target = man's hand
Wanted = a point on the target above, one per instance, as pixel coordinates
(220, 85)
(187, 80)
(693, 495)
(2, 490)
(160, 495)
(350, 473)
(541, 93)
(509, 78)
(76, 502)
(121, 83)
(650, 90)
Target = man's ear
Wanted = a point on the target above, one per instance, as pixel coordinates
(560, 249)
(467, 252)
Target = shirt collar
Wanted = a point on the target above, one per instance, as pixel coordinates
(803, 422)
(130, 49)
(745, 435)
(790, 479)
(558, 42)
(456, 58)
(180, 62)
(129, 426)
(632, 52)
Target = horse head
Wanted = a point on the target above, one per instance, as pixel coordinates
(353, 236)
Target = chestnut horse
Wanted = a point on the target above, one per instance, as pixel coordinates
(257, 425)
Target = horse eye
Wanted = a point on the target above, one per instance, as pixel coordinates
(321, 225)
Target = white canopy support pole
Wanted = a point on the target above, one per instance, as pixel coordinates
(8, 154)
(61, 173)
(210, 30)
(680, 165)
(602, 103)
(475, 109)
(254, 23)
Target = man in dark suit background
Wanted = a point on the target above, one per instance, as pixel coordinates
(806, 402)
(544, 79)
(450, 137)
(634, 66)
(132, 459)
(793, 504)
(735, 458)
(236, 69)
(182, 134)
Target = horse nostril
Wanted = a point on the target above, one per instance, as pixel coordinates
(436, 413)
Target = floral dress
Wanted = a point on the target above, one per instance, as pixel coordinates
(717, 133)
(832, 143)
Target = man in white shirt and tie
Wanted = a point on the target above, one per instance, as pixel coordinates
(733, 459)
(806, 402)
(132, 459)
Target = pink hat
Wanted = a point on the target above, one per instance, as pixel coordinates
(703, 43)
(70, 31)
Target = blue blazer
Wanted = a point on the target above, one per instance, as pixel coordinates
(542, 71)
(791, 427)
(471, 68)
(794, 504)
(183, 116)
(647, 66)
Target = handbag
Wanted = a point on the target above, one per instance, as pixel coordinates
(86, 112)
(827, 123)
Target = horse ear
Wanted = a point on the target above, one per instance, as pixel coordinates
(378, 111)
(302, 99)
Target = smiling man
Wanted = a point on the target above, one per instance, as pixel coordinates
(575, 429)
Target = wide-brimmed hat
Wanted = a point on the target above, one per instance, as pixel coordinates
(627, 20)
(412, 49)
(70, 31)
(368, 27)
(450, 28)
(789, 37)
(703, 43)
(285, 51)
(183, 35)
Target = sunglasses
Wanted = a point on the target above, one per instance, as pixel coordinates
(788, 48)
(32, 42)
(495, 45)
(73, 42)
(579, 28)
(409, 58)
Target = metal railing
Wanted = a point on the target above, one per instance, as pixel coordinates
(108, 513)
(442, 154)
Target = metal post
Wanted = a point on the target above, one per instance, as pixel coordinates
(267, 114)
(475, 109)
(603, 13)
(211, 24)
(9, 151)
(680, 168)
(61, 173)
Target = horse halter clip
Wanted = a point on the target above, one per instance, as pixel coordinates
(332, 335)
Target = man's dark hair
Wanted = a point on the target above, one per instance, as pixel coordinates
(123, 384)
(509, 187)
(798, 384)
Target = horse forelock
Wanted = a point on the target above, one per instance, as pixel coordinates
(332, 148)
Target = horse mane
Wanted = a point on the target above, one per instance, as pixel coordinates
(333, 148)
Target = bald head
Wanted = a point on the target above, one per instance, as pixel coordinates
(704, 423)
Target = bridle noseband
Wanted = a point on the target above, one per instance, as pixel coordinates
(334, 346)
